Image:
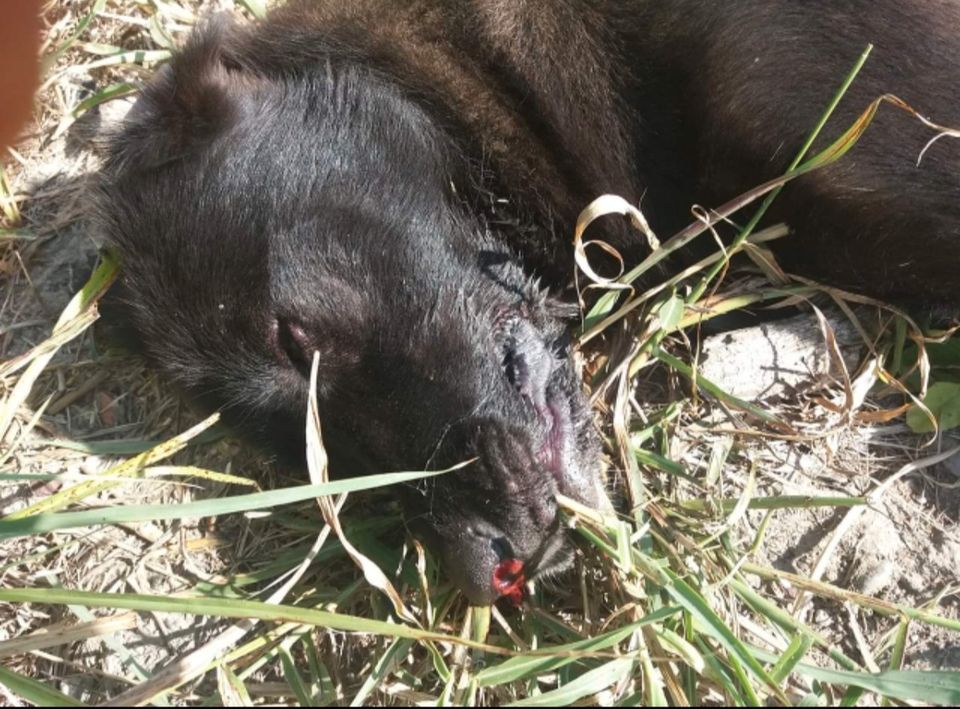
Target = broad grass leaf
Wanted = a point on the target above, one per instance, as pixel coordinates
(670, 313)
(943, 401)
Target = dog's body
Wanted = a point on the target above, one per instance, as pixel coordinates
(330, 180)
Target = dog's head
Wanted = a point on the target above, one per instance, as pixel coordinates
(264, 213)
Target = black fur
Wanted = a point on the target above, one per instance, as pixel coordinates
(328, 180)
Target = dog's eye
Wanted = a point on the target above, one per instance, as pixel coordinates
(528, 363)
(290, 343)
(516, 369)
(514, 364)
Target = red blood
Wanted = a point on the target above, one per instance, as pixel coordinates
(508, 580)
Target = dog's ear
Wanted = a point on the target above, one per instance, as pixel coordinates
(189, 102)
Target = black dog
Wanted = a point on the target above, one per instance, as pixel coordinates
(385, 181)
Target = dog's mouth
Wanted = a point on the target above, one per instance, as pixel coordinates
(511, 575)
(509, 579)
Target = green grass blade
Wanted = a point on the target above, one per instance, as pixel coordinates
(719, 672)
(50, 60)
(768, 200)
(41, 523)
(743, 681)
(292, 675)
(232, 608)
(130, 446)
(692, 601)
(110, 478)
(600, 309)
(34, 691)
(530, 665)
(134, 56)
(900, 645)
(926, 687)
(585, 685)
(257, 8)
(788, 623)
(711, 388)
(383, 667)
(791, 657)
(103, 95)
(779, 502)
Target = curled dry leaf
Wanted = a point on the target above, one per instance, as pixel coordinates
(601, 206)
(317, 465)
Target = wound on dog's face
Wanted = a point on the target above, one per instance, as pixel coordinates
(261, 218)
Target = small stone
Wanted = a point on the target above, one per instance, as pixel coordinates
(873, 578)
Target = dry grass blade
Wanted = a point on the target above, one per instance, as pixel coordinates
(317, 465)
(197, 662)
(76, 317)
(114, 476)
(65, 634)
(602, 206)
(49, 347)
(851, 517)
(827, 590)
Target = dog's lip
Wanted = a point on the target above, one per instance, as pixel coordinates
(509, 580)
(510, 574)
